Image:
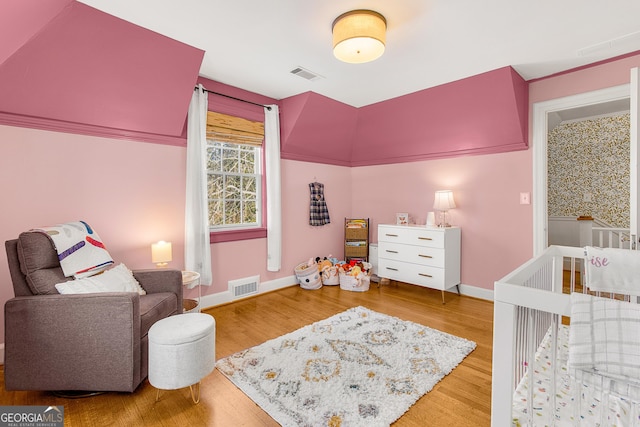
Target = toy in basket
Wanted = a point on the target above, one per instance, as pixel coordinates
(330, 276)
(355, 276)
(308, 275)
(328, 270)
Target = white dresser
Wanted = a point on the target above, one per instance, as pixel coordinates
(423, 256)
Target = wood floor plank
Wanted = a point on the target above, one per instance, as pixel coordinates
(463, 398)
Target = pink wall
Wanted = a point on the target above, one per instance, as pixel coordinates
(300, 241)
(496, 229)
(601, 76)
(133, 194)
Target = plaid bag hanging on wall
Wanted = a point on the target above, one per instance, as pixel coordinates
(318, 212)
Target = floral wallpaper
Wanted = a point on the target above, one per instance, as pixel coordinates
(588, 169)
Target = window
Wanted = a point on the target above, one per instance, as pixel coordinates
(234, 170)
(233, 185)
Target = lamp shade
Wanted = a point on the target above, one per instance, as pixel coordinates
(161, 253)
(359, 36)
(444, 200)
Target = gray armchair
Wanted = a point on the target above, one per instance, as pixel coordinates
(80, 342)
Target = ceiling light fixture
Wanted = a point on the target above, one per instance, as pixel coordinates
(359, 36)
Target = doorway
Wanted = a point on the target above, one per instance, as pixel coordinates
(546, 114)
(588, 157)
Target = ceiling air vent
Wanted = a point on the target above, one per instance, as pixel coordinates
(305, 74)
(617, 44)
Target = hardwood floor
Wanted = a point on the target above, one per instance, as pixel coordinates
(463, 398)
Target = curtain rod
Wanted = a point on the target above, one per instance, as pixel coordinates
(233, 97)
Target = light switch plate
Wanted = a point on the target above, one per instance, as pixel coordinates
(525, 198)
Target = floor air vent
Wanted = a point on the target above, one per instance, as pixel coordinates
(305, 74)
(242, 287)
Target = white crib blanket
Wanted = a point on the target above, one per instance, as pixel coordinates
(605, 336)
(613, 270)
(619, 411)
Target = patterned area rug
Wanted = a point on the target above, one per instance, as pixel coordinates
(357, 368)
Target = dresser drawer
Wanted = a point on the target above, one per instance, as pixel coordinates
(422, 255)
(421, 275)
(419, 236)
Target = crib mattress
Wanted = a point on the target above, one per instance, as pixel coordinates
(618, 411)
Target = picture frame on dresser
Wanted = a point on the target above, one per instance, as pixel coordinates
(402, 218)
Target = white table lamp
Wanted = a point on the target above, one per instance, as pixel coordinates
(442, 203)
(161, 253)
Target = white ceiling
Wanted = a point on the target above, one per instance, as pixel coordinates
(254, 44)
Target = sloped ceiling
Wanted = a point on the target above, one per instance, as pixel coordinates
(20, 20)
(482, 114)
(317, 129)
(67, 66)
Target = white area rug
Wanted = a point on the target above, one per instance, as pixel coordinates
(357, 368)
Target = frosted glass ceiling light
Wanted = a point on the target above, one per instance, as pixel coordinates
(359, 36)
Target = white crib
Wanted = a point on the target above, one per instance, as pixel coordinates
(531, 385)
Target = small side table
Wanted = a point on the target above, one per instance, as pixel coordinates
(191, 279)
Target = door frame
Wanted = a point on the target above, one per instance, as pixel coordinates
(634, 94)
(541, 111)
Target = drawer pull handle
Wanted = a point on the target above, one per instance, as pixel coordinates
(394, 269)
(425, 238)
(425, 275)
(391, 235)
(425, 256)
(391, 252)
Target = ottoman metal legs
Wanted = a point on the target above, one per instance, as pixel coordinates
(181, 352)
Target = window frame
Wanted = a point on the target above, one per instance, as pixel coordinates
(246, 232)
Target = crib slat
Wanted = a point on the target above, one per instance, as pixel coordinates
(504, 336)
(531, 346)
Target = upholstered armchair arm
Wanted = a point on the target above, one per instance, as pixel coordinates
(73, 342)
(154, 281)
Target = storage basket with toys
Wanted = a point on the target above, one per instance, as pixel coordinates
(308, 275)
(355, 276)
(328, 271)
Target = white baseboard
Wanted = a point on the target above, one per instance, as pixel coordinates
(474, 291)
(2, 354)
(284, 282)
(226, 296)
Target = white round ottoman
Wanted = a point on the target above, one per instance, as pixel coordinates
(182, 352)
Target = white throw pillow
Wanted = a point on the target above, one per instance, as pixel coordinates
(116, 279)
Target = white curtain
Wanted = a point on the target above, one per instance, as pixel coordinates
(197, 248)
(274, 208)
